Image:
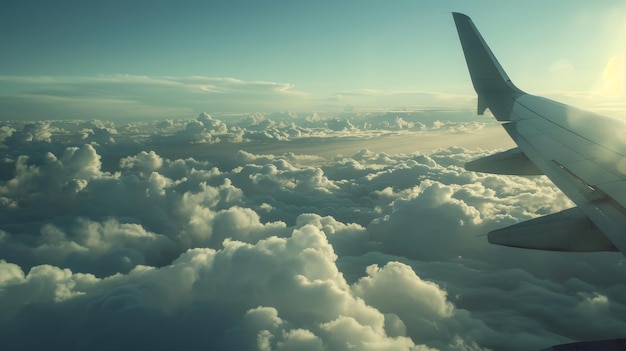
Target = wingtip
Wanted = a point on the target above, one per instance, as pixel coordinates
(458, 15)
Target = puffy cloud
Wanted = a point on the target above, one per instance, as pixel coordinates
(5, 132)
(428, 300)
(103, 248)
(296, 276)
(150, 240)
(145, 162)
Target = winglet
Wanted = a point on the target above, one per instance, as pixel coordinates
(491, 83)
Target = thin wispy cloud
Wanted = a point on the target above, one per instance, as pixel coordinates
(133, 96)
(123, 96)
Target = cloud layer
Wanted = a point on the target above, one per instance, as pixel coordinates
(122, 97)
(183, 234)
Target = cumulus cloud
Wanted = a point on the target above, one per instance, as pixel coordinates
(296, 276)
(196, 234)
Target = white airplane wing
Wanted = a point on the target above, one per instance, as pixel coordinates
(583, 153)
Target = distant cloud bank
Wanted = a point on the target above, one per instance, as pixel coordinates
(121, 97)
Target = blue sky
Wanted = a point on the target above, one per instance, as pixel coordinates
(76, 59)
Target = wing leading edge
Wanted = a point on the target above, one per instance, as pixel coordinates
(584, 154)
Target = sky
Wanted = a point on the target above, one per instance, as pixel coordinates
(143, 59)
(287, 176)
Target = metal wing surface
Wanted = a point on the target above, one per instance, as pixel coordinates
(583, 153)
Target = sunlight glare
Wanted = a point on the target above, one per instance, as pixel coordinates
(612, 79)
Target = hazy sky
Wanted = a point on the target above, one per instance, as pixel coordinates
(82, 59)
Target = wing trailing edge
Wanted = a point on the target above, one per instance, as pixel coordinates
(593, 345)
(569, 230)
(511, 162)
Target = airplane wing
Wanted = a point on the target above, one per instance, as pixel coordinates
(583, 153)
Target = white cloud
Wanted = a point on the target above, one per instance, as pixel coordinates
(145, 162)
(195, 246)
